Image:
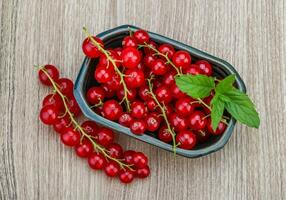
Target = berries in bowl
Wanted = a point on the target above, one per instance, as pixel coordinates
(161, 91)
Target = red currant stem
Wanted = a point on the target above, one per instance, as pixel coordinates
(206, 116)
(97, 104)
(130, 31)
(121, 75)
(163, 112)
(78, 127)
(210, 109)
(164, 55)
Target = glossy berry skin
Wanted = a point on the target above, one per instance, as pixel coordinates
(128, 157)
(164, 134)
(220, 128)
(197, 120)
(131, 57)
(129, 41)
(96, 161)
(131, 95)
(152, 122)
(126, 176)
(107, 92)
(151, 105)
(140, 160)
(141, 36)
(176, 92)
(90, 127)
(182, 59)
(138, 109)
(159, 67)
(114, 84)
(65, 85)
(54, 100)
(84, 149)
(53, 73)
(184, 107)
(163, 94)
(134, 78)
(115, 150)
(144, 93)
(61, 124)
(104, 136)
(125, 119)
(94, 95)
(89, 49)
(169, 78)
(186, 139)
(103, 74)
(73, 106)
(148, 60)
(193, 69)
(148, 50)
(205, 66)
(111, 169)
(104, 62)
(70, 137)
(49, 114)
(112, 110)
(177, 122)
(143, 172)
(138, 126)
(167, 49)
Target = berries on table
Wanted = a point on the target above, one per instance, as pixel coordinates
(111, 169)
(115, 150)
(96, 161)
(143, 172)
(140, 160)
(49, 114)
(52, 71)
(104, 136)
(126, 176)
(66, 86)
(84, 149)
(70, 137)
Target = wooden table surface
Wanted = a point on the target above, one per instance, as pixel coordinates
(250, 34)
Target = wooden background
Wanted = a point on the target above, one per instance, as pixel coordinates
(250, 34)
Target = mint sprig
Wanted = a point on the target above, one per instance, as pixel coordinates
(237, 103)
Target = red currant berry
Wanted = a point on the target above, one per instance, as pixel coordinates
(153, 122)
(159, 67)
(148, 60)
(52, 71)
(148, 50)
(104, 61)
(186, 139)
(90, 127)
(131, 57)
(131, 95)
(73, 106)
(107, 92)
(114, 84)
(220, 128)
(112, 110)
(169, 78)
(54, 100)
(104, 136)
(94, 95)
(65, 85)
(140, 160)
(128, 157)
(182, 59)
(61, 124)
(151, 105)
(164, 134)
(138, 109)
(205, 66)
(193, 69)
(163, 94)
(115, 150)
(49, 114)
(112, 169)
(103, 74)
(144, 93)
(143, 172)
(167, 49)
(197, 120)
(176, 92)
(129, 41)
(134, 78)
(96, 161)
(141, 36)
(125, 119)
(84, 149)
(184, 107)
(89, 49)
(70, 137)
(138, 126)
(126, 176)
(179, 123)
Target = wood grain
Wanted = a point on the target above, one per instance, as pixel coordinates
(250, 34)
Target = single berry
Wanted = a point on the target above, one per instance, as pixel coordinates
(167, 49)
(131, 94)
(159, 67)
(193, 69)
(143, 172)
(138, 109)
(177, 122)
(140, 160)
(134, 78)
(148, 50)
(202, 136)
(176, 92)
(126, 176)
(94, 95)
(84, 149)
(164, 134)
(152, 122)
(70, 137)
(65, 85)
(205, 66)
(114, 84)
(138, 126)
(62, 123)
(54, 100)
(141, 36)
(182, 59)
(111, 169)
(131, 57)
(107, 92)
(103, 74)
(128, 157)
(89, 49)
(148, 60)
(144, 93)
(52, 71)
(105, 62)
(169, 78)
(49, 114)
(197, 120)
(90, 127)
(220, 128)
(163, 94)
(96, 161)
(151, 105)
(129, 41)
(112, 110)
(104, 136)
(115, 150)
(184, 107)
(73, 106)
(186, 139)
(125, 119)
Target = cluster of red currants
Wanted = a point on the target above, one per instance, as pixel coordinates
(136, 88)
(89, 140)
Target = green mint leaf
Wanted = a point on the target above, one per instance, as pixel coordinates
(197, 86)
(241, 108)
(225, 84)
(217, 111)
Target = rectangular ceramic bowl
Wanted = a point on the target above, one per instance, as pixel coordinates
(113, 38)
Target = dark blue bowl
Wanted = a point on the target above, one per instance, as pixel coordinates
(113, 38)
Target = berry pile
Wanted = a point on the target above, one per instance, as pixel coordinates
(136, 88)
(89, 140)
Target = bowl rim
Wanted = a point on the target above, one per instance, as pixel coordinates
(89, 113)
